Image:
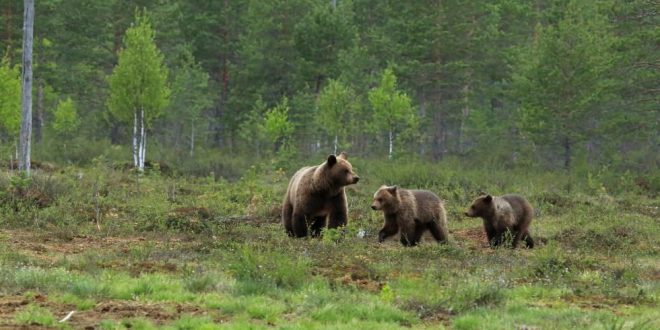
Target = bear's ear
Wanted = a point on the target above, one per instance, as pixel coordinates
(392, 190)
(332, 160)
(488, 199)
(343, 156)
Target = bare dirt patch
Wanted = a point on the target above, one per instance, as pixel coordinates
(472, 235)
(48, 247)
(158, 313)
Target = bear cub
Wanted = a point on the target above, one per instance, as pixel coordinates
(410, 212)
(315, 196)
(511, 213)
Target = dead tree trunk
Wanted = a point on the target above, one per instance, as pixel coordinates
(26, 91)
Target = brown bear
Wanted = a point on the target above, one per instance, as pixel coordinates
(410, 212)
(510, 213)
(316, 195)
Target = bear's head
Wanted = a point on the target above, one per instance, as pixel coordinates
(386, 199)
(482, 206)
(340, 171)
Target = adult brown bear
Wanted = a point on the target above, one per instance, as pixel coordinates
(316, 196)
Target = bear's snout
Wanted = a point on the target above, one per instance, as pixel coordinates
(373, 207)
(356, 179)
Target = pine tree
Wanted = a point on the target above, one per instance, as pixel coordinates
(563, 78)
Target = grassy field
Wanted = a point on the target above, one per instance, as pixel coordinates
(163, 251)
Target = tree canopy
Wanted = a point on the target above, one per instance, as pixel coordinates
(517, 82)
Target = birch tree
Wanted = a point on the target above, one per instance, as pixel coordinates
(26, 90)
(65, 117)
(393, 110)
(138, 84)
(276, 126)
(191, 95)
(336, 104)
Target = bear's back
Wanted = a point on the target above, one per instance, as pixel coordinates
(521, 208)
(428, 205)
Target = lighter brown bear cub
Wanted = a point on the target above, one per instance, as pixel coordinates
(316, 195)
(510, 213)
(410, 212)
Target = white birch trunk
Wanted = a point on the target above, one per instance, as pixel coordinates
(192, 136)
(391, 144)
(135, 140)
(143, 142)
(335, 144)
(26, 90)
(464, 116)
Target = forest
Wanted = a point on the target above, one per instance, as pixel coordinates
(541, 83)
(164, 133)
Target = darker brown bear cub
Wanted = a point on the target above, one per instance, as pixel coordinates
(411, 212)
(316, 194)
(511, 213)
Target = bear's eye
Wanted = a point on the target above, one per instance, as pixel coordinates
(379, 200)
(346, 171)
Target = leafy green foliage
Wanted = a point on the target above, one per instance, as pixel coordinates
(10, 98)
(276, 126)
(338, 108)
(393, 110)
(139, 81)
(65, 117)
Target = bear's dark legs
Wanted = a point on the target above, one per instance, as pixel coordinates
(339, 214)
(287, 213)
(317, 225)
(523, 234)
(388, 230)
(490, 231)
(408, 241)
(528, 240)
(497, 239)
(412, 237)
(437, 232)
(299, 225)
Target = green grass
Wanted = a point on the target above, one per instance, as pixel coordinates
(196, 253)
(35, 315)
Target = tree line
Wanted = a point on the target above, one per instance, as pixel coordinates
(506, 82)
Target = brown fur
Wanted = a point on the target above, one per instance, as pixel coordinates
(411, 212)
(316, 195)
(501, 214)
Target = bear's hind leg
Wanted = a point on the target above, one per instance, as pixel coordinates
(437, 232)
(287, 220)
(412, 237)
